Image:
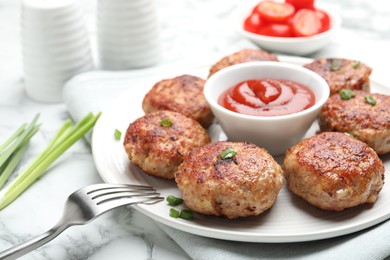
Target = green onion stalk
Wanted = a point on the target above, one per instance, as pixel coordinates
(65, 137)
(13, 149)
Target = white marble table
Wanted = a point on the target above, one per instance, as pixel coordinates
(193, 32)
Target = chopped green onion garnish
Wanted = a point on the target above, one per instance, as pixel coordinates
(356, 64)
(228, 153)
(166, 122)
(335, 65)
(349, 134)
(186, 214)
(370, 100)
(174, 213)
(347, 94)
(117, 134)
(174, 201)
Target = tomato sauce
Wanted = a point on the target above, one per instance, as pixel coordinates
(267, 97)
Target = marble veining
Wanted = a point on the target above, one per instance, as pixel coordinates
(368, 17)
(193, 32)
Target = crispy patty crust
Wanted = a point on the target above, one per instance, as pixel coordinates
(242, 56)
(183, 94)
(366, 122)
(334, 171)
(342, 73)
(246, 184)
(158, 141)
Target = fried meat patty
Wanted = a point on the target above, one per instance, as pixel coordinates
(342, 73)
(246, 184)
(368, 123)
(183, 94)
(334, 171)
(242, 56)
(158, 141)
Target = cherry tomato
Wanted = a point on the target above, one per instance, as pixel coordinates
(301, 4)
(306, 23)
(325, 20)
(276, 30)
(274, 12)
(252, 23)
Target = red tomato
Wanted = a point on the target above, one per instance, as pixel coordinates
(274, 12)
(276, 30)
(301, 4)
(325, 20)
(252, 23)
(306, 23)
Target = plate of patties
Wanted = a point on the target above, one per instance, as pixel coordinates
(236, 190)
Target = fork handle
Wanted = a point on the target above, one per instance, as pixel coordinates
(31, 244)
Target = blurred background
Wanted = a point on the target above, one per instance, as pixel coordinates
(199, 32)
(369, 19)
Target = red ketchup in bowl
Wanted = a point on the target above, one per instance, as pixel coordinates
(267, 97)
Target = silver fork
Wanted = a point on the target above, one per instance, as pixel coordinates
(84, 205)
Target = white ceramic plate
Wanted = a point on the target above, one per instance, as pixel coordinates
(290, 219)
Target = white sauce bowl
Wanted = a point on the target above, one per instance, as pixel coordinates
(275, 133)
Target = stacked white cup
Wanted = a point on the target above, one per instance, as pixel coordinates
(55, 46)
(128, 34)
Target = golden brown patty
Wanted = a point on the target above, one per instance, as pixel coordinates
(368, 123)
(242, 56)
(158, 148)
(244, 185)
(183, 94)
(334, 171)
(342, 73)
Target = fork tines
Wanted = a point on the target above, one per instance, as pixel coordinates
(105, 192)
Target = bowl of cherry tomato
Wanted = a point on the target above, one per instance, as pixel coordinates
(298, 27)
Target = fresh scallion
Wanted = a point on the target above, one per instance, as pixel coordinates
(370, 100)
(335, 65)
(12, 138)
(166, 122)
(8, 168)
(173, 200)
(356, 64)
(13, 149)
(66, 136)
(174, 213)
(349, 134)
(347, 94)
(228, 153)
(18, 139)
(186, 214)
(117, 134)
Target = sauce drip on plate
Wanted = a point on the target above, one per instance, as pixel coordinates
(267, 97)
